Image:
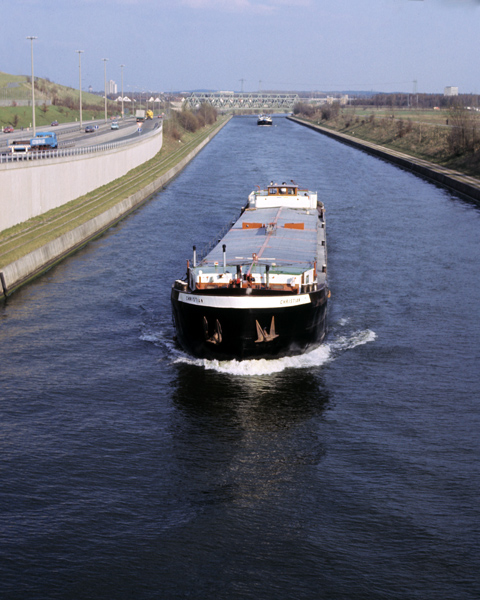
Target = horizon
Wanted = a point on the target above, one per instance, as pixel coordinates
(389, 46)
(302, 93)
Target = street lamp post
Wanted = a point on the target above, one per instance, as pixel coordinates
(80, 81)
(31, 38)
(123, 113)
(105, 75)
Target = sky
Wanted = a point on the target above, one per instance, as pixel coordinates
(247, 45)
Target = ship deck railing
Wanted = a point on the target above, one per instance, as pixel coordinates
(305, 288)
(255, 286)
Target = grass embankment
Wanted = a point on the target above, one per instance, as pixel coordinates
(54, 102)
(21, 116)
(31, 235)
(427, 134)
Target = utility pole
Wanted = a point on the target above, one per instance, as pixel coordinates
(242, 80)
(123, 112)
(31, 38)
(105, 75)
(80, 82)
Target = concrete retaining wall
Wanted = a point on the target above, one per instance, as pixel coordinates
(454, 180)
(31, 188)
(22, 270)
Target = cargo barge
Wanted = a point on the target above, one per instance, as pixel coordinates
(262, 291)
(264, 120)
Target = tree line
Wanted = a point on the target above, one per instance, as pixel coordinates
(402, 100)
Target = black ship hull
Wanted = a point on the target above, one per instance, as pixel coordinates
(291, 325)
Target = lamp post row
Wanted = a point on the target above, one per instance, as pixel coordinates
(80, 52)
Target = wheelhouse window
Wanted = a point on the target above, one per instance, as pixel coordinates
(283, 190)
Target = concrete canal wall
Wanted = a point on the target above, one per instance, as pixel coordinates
(454, 180)
(33, 187)
(31, 265)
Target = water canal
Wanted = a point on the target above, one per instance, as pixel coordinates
(129, 470)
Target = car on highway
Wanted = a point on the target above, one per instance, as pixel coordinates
(8, 129)
(114, 125)
(53, 123)
(89, 129)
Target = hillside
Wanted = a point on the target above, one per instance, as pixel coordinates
(54, 102)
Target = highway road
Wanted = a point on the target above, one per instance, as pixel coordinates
(71, 136)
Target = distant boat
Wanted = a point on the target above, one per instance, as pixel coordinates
(262, 291)
(264, 120)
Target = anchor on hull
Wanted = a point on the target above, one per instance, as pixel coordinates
(263, 334)
(216, 337)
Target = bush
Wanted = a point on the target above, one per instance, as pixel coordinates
(463, 136)
(302, 108)
(208, 113)
(326, 112)
(330, 111)
(70, 103)
(400, 128)
(171, 128)
(187, 120)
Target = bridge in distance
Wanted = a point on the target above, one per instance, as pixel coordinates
(258, 101)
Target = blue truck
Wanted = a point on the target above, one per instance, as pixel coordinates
(42, 141)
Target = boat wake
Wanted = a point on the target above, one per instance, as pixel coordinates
(341, 343)
(327, 352)
(248, 368)
(262, 366)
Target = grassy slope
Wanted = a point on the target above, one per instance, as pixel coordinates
(93, 105)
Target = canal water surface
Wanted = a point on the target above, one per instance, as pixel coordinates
(130, 470)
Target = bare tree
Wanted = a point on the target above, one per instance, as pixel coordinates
(463, 136)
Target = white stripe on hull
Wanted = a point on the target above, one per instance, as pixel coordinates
(244, 302)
